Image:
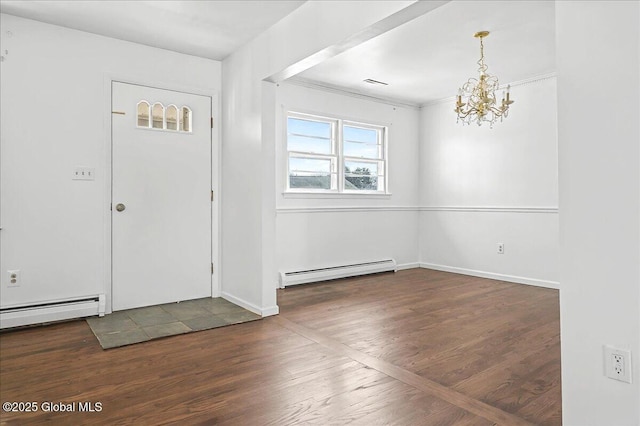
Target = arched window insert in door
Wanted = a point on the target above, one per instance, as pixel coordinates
(185, 119)
(159, 117)
(143, 113)
(172, 117)
(157, 113)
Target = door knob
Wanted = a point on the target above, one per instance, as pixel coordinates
(120, 207)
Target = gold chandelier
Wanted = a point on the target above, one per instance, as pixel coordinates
(480, 96)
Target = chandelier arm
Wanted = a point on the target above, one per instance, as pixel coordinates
(465, 114)
(497, 111)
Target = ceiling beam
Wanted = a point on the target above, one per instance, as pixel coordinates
(392, 21)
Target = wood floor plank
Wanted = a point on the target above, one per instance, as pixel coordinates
(472, 326)
(417, 347)
(460, 400)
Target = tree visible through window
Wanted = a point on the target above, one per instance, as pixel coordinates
(360, 178)
(334, 155)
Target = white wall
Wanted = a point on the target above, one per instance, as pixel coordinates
(249, 271)
(481, 186)
(313, 231)
(53, 227)
(53, 117)
(598, 55)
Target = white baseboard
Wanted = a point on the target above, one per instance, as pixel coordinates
(273, 310)
(403, 266)
(51, 312)
(492, 275)
(265, 312)
(332, 272)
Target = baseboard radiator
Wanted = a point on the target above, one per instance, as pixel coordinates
(335, 272)
(17, 316)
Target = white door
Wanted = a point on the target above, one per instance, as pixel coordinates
(161, 196)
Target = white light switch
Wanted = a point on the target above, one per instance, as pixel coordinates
(83, 173)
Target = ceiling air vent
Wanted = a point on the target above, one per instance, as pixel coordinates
(371, 81)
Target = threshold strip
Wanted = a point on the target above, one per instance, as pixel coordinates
(460, 400)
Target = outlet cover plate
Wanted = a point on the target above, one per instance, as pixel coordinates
(83, 173)
(617, 370)
(13, 275)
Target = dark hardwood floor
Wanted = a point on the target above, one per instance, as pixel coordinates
(417, 347)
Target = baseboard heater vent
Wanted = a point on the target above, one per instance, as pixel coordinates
(17, 316)
(335, 272)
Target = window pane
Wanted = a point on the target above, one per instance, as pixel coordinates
(309, 173)
(361, 176)
(143, 114)
(359, 142)
(158, 116)
(172, 117)
(185, 119)
(309, 136)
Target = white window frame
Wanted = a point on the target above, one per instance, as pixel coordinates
(332, 156)
(337, 156)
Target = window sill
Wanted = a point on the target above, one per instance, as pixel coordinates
(342, 195)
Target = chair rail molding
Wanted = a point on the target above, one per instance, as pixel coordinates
(491, 209)
(346, 209)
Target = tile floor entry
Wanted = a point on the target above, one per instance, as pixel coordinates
(142, 324)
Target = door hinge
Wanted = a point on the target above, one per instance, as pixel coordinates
(212, 195)
(212, 122)
(212, 268)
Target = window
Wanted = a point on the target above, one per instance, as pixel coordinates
(313, 160)
(160, 118)
(143, 114)
(335, 155)
(172, 117)
(185, 119)
(363, 152)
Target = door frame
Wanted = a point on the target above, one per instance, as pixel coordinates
(216, 173)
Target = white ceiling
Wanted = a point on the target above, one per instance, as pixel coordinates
(423, 60)
(430, 57)
(209, 29)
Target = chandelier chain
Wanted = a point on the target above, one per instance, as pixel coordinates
(483, 68)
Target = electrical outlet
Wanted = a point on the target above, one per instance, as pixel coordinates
(500, 248)
(14, 278)
(617, 363)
